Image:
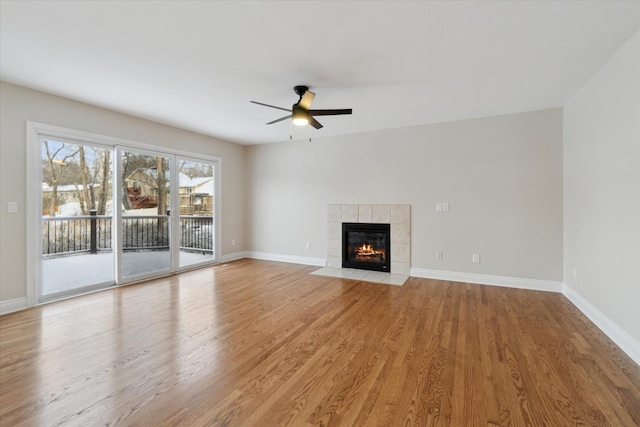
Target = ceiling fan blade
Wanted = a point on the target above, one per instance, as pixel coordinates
(280, 119)
(306, 100)
(313, 122)
(330, 112)
(272, 106)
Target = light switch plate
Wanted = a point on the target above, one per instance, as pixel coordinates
(12, 207)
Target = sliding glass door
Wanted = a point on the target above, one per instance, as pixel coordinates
(144, 220)
(110, 212)
(165, 224)
(196, 200)
(76, 196)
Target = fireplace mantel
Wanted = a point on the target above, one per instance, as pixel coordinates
(398, 216)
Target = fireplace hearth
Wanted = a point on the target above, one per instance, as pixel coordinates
(366, 246)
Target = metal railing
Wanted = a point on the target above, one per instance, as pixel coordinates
(145, 232)
(196, 233)
(92, 234)
(65, 235)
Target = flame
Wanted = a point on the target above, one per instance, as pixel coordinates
(367, 250)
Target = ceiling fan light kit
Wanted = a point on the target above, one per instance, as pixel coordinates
(301, 112)
(300, 115)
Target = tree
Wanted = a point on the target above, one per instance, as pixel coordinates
(58, 157)
(195, 169)
(161, 182)
(105, 181)
(83, 193)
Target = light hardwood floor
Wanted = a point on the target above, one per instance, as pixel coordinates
(257, 343)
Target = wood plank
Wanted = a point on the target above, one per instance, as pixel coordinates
(265, 343)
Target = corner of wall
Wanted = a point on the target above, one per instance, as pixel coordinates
(622, 339)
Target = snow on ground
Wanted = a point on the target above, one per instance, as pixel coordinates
(78, 271)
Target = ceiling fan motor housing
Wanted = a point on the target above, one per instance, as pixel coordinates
(300, 90)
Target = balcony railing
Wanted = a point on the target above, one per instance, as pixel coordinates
(65, 235)
(196, 233)
(92, 234)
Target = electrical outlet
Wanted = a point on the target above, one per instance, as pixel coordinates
(233, 242)
(445, 207)
(438, 207)
(439, 256)
(476, 258)
(308, 245)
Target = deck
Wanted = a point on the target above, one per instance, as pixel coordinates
(71, 272)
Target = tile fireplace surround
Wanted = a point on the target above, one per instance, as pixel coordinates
(399, 216)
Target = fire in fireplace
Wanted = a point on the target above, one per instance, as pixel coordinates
(366, 246)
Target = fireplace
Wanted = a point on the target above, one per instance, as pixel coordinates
(366, 246)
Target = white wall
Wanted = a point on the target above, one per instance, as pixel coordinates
(502, 177)
(602, 197)
(18, 104)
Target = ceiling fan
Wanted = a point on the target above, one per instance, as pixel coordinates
(301, 112)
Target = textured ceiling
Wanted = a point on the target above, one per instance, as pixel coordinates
(197, 64)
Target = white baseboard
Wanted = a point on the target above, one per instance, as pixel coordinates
(485, 279)
(11, 305)
(232, 257)
(626, 342)
(319, 262)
